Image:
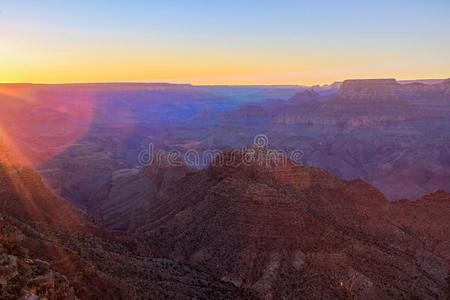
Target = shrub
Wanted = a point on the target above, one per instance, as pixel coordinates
(12, 247)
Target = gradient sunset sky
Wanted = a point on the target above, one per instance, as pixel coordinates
(223, 42)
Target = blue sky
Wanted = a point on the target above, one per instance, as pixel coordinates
(188, 40)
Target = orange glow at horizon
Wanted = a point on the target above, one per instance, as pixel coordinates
(124, 58)
(209, 72)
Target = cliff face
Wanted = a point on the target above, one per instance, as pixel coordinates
(284, 230)
(128, 188)
(372, 87)
(390, 88)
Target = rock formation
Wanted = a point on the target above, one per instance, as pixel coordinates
(37, 227)
(25, 278)
(280, 229)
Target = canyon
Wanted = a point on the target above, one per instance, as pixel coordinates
(362, 211)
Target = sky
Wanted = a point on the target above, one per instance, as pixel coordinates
(223, 42)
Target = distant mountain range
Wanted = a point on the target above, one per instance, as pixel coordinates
(393, 135)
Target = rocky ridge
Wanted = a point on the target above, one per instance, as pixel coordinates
(97, 263)
(286, 231)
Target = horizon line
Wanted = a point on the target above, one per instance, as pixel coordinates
(212, 84)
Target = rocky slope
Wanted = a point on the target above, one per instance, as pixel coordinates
(97, 263)
(25, 278)
(288, 231)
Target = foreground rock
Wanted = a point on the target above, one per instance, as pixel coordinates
(25, 278)
(288, 231)
(97, 263)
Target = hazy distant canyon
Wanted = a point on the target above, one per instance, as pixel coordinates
(395, 136)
